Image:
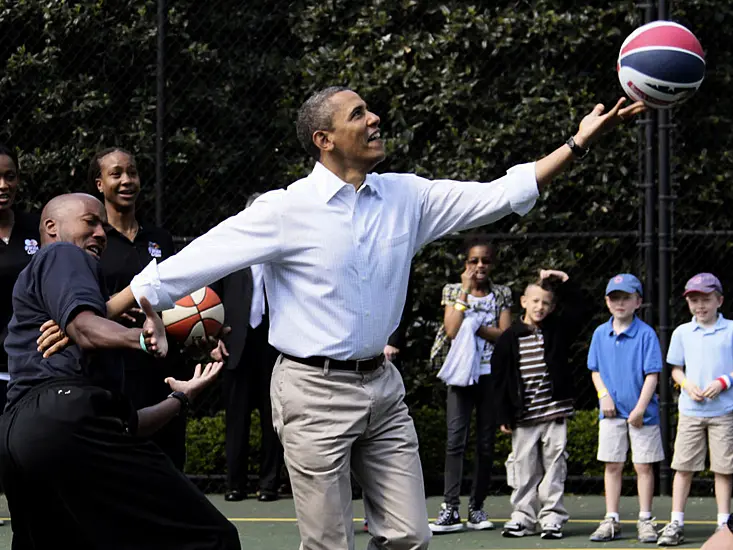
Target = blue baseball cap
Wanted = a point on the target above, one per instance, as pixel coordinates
(625, 282)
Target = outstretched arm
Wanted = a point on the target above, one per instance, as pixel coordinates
(591, 128)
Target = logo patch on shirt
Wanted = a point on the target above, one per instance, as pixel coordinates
(154, 249)
(31, 246)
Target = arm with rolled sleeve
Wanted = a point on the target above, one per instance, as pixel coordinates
(447, 206)
(251, 237)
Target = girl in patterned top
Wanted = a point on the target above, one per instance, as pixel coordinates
(493, 302)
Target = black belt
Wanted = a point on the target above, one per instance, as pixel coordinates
(356, 365)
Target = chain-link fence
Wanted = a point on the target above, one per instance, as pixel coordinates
(465, 90)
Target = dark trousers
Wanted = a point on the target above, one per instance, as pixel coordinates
(74, 476)
(145, 387)
(461, 403)
(247, 387)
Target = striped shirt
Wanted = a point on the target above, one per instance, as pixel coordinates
(538, 403)
(336, 260)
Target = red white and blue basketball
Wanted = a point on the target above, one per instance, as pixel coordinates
(198, 315)
(662, 64)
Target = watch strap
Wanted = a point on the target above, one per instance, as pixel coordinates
(577, 150)
(182, 399)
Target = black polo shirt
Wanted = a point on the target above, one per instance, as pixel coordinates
(14, 256)
(60, 281)
(121, 261)
(123, 258)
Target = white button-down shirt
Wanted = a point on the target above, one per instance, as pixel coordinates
(336, 261)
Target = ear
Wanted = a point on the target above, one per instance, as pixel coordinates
(322, 139)
(98, 181)
(523, 301)
(51, 228)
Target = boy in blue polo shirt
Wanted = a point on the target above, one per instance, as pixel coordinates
(625, 360)
(701, 356)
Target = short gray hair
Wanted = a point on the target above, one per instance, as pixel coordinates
(316, 114)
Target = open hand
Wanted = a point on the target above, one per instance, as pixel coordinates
(220, 352)
(52, 339)
(200, 380)
(596, 122)
(153, 330)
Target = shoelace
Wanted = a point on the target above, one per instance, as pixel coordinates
(610, 522)
(670, 529)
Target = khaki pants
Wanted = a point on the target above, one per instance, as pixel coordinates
(334, 422)
(536, 470)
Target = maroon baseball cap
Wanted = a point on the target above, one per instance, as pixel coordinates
(703, 282)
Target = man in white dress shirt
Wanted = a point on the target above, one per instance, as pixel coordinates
(336, 248)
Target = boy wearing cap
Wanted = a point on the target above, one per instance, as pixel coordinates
(625, 360)
(701, 356)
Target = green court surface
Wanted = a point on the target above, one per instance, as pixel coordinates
(272, 525)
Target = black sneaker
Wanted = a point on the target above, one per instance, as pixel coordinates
(449, 520)
(516, 529)
(478, 520)
(551, 531)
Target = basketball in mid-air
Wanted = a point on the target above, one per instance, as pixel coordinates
(198, 315)
(662, 64)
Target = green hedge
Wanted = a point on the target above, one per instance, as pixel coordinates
(206, 444)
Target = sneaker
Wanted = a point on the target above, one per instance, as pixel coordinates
(551, 531)
(478, 520)
(449, 520)
(609, 529)
(672, 534)
(516, 529)
(646, 530)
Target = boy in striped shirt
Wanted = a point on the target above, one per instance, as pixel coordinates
(534, 397)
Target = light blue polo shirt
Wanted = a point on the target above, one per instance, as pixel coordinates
(706, 354)
(624, 360)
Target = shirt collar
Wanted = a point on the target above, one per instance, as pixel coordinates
(631, 331)
(329, 184)
(719, 325)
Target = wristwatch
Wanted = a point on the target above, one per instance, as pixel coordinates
(577, 150)
(182, 399)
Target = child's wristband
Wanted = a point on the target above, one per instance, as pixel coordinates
(602, 394)
(725, 380)
(142, 342)
(466, 292)
(682, 384)
(459, 306)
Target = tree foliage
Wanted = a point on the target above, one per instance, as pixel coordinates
(465, 90)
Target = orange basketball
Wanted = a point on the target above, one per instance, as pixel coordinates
(199, 315)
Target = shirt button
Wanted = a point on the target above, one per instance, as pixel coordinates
(366, 313)
(363, 278)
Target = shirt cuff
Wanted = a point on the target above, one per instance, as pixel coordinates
(147, 283)
(522, 188)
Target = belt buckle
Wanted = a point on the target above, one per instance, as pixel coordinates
(360, 361)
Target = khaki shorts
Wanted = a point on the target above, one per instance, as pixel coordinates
(695, 434)
(613, 442)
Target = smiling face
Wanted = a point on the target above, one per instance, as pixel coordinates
(354, 136)
(119, 181)
(538, 304)
(9, 180)
(704, 306)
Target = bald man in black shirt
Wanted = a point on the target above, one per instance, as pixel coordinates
(73, 461)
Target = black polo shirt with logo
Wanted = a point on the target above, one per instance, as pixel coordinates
(14, 256)
(121, 261)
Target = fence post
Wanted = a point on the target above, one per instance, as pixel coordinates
(160, 107)
(665, 277)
